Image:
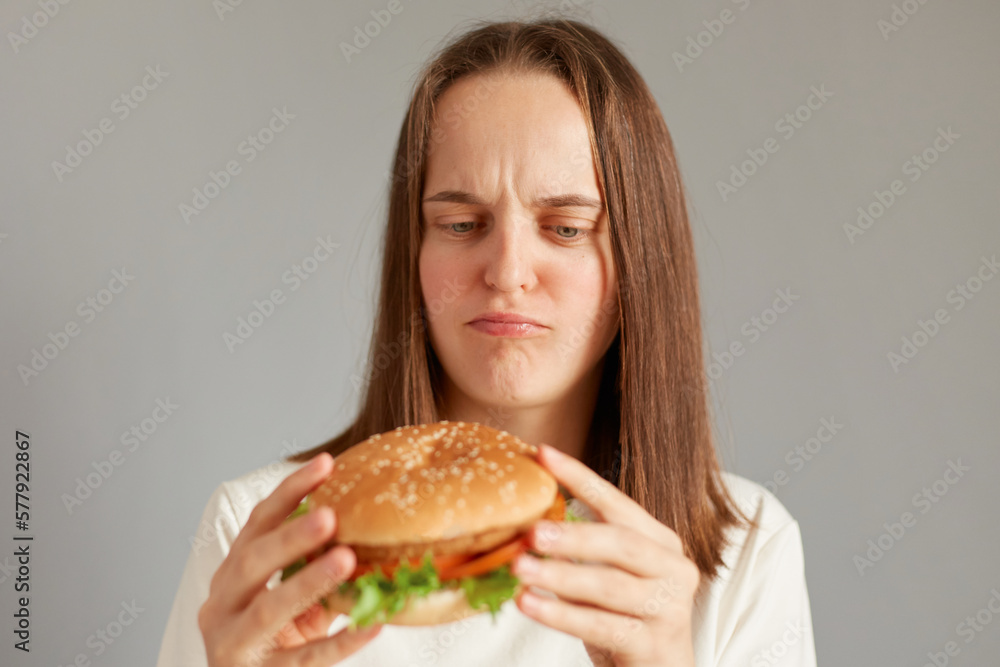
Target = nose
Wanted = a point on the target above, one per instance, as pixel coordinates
(509, 255)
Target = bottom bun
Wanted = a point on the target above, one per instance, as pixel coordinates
(441, 606)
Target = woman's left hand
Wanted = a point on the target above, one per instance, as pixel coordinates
(631, 599)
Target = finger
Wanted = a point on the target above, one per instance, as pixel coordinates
(314, 623)
(249, 566)
(602, 628)
(598, 585)
(271, 610)
(605, 543)
(604, 498)
(325, 652)
(270, 512)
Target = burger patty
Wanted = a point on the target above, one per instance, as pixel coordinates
(463, 544)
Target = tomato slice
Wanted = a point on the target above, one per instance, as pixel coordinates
(558, 510)
(487, 562)
(389, 569)
(457, 566)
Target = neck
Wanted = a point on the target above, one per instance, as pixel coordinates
(563, 424)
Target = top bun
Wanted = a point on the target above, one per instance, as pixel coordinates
(455, 487)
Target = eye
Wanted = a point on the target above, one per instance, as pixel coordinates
(580, 233)
(450, 226)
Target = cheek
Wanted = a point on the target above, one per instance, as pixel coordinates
(439, 280)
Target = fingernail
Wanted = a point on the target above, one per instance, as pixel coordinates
(530, 602)
(545, 534)
(362, 633)
(553, 452)
(526, 564)
(321, 518)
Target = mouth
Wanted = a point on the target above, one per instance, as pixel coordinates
(507, 325)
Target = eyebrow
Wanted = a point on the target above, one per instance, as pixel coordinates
(556, 201)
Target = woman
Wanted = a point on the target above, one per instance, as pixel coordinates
(539, 277)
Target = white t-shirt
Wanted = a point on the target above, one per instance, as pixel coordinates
(755, 614)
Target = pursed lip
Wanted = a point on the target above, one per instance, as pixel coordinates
(506, 318)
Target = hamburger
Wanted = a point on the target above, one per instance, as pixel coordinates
(435, 514)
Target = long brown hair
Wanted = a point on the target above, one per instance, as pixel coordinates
(651, 432)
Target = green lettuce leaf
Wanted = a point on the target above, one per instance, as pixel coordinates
(573, 516)
(379, 597)
(491, 589)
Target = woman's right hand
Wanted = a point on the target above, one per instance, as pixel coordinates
(243, 623)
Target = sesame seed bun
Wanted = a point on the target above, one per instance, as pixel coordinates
(448, 487)
(455, 487)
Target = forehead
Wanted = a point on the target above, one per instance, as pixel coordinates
(523, 130)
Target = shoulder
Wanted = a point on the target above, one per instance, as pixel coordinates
(760, 591)
(758, 503)
(756, 551)
(243, 493)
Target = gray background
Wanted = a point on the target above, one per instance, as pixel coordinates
(325, 174)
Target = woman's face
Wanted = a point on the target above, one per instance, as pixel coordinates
(500, 148)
